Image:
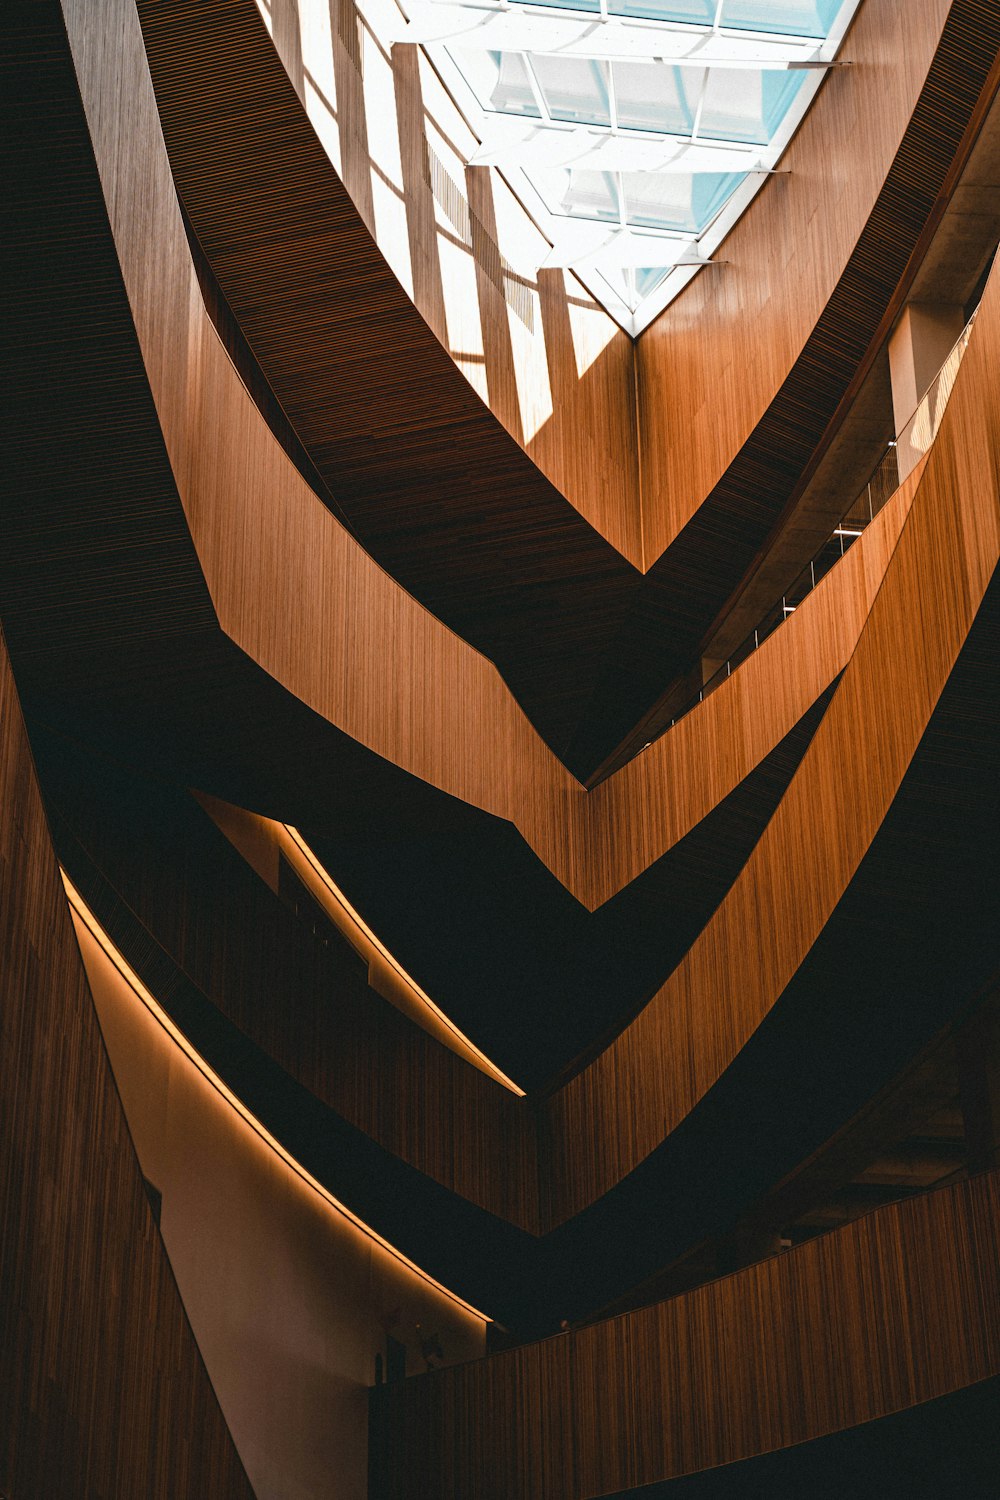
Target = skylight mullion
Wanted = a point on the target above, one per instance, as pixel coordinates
(515, 29)
(699, 107)
(668, 131)
(536, 87)
(612, 99)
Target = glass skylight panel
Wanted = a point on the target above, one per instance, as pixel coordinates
(632, 127)
(700, 11)
(591, 5)
(647, 279)
(685, 203)
(575, 89)
(747, 104)
(784, 17)
(657, 97)
(580, 194)
(501, 81)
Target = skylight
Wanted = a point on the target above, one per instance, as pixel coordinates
(635, 132)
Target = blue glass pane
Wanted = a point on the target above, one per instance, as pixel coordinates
(582, 194)
(747, 104)
(501, 82)
(568, 4)
(656, 96)
(787, 17)
(687, 202)
(647, 281)
(700, 11)
(712, 190)
(574, 88)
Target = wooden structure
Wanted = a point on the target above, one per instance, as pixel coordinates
(268, 542)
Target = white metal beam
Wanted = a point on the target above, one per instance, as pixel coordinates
(587, 244)
(509, 141)
(513, 30)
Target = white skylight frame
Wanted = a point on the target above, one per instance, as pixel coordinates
(597, 249)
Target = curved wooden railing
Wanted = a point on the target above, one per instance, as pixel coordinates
(595, 649)
(284, 577)
(811, 849)
(99, 1368)
(895, 1309)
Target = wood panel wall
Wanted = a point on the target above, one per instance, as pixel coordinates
(550, 362)
(584, 671)
(102, 1389)
(307, 1005)
(916, 939)
(289, 1299)
(320, 617)
(717, 358)
(892, 1310)
(807, 856)
(285, 577)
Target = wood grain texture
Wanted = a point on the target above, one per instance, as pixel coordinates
(102, 1389)
(283, 576)
(811, 849)
(572, 635)
(926, 929)
(284, 579)
(399, 436)
(707, 563)
(719, 358)
(306, 1005)
(898, 1308)
(543, 638)
(910, 941)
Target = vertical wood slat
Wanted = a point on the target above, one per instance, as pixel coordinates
(771, 394)
(102, 1390)
(386, 668)
(890, 1311)
(284, 577)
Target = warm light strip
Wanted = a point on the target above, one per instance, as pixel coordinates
(135, 984)
(354, 916)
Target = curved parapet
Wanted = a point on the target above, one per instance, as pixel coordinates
(894, 1310)
(300, 598)
(284, 577)
(449, 1030)
(804, 863)
(595, 646)
(102, 1386)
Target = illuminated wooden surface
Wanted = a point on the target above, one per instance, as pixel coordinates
(668, 1061)
(704, 1178)
(233, 1208)
(590, 649)
(895, 1309)
(102, 1388)
(392, 673)
(717, 358)
(306, 1004)
(813, 845)
(284, 577)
